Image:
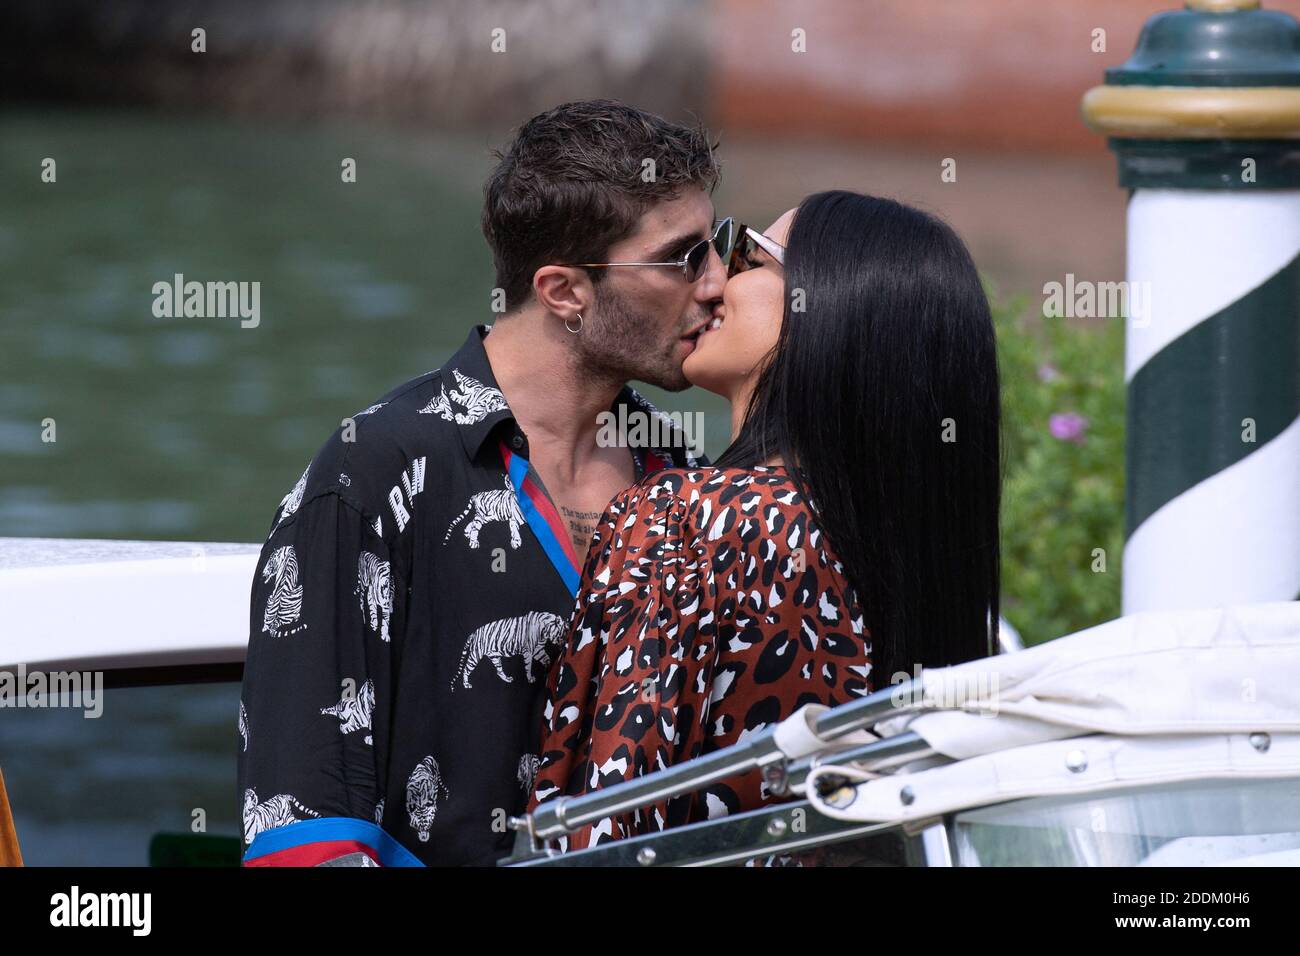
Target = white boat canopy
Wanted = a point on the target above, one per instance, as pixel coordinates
(1152, 698)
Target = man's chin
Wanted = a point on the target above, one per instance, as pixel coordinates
(679, 384)
(670, 380)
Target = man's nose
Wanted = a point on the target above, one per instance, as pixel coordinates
(709, 285)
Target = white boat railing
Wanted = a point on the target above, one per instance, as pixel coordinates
(140, 611)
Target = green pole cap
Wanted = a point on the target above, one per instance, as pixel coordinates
(1241, 45)
(1209, 99)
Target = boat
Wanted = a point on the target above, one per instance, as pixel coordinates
(1157, 739)
(1160, 738)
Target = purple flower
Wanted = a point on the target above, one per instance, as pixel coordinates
(1048, 373)
(1068, 426)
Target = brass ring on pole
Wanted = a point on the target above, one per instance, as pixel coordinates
(1221, 6)
(1194, 112)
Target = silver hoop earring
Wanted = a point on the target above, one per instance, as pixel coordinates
(570, 328)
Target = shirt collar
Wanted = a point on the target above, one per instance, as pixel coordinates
(475, 402)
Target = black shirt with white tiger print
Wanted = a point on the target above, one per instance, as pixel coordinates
(408, 601)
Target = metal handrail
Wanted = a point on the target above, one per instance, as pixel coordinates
(565, 814)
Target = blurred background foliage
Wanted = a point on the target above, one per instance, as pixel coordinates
(1062, 497)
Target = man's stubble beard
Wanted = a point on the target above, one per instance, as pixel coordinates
(612, 346)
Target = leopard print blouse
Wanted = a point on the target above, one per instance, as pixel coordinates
(710, 608)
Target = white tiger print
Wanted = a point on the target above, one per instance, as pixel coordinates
(243, 725)
(284, 606)
(499, 504)
(276, 812)
(291, 502)
(375, 591)
(528, 636)
(440, 405)
(354, 712)
(527, 772)
(379, 813)
(422, 791)
(478, 400)
(371, 410)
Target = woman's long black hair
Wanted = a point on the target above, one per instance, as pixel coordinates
(882, 398)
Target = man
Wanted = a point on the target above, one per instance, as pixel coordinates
(420, 576)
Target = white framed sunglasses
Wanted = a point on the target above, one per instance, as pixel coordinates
(748, 241)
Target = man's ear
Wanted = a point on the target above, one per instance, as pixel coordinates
(565, 291)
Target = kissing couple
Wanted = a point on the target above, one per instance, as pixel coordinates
(468, 605)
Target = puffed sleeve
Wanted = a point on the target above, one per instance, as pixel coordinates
(316, 692)
(629, 685)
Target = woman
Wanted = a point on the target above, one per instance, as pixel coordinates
(849, 532)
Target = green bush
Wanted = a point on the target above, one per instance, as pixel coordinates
(1062, 497)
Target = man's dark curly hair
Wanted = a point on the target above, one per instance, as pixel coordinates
(572, 184)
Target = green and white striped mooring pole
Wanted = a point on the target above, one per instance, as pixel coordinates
(1205, 120)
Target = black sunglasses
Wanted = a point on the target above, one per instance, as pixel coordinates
(692, 264)
(745, 251)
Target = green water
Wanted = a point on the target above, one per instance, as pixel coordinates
(194, 428)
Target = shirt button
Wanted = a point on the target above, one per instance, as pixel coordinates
(517, 442)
